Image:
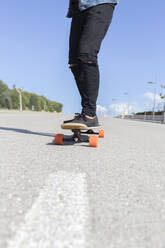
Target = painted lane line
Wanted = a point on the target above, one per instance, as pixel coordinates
(59, 217)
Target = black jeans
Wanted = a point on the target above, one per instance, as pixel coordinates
(88, 29)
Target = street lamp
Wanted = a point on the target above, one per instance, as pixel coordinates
(20, 95)
(126, 94)
(162, 95)
(150, 82)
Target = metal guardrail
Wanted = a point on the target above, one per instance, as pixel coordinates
(150, 118)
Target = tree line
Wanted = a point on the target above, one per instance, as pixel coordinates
(9, 99)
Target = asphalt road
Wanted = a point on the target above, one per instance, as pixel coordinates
(68, 196)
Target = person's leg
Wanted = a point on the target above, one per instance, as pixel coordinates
(86, 35)
(96, 21)
(74, 40)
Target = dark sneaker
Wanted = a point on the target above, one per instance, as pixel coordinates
(83, 119)
(75, 117)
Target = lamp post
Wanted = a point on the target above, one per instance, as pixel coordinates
(152, 83)
(19, 90)
(162, 95)
(114, 112)
(126, 93)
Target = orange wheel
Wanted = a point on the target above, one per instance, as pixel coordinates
(58, 139)
(93, 141)
(101, 133)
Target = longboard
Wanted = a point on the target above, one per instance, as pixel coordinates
(73, 126)
(81, 133)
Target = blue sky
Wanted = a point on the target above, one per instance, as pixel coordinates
(34, 53)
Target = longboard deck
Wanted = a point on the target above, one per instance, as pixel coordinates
(79, 136)
(73, 126)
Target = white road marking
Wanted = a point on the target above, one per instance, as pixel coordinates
(59, 217)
